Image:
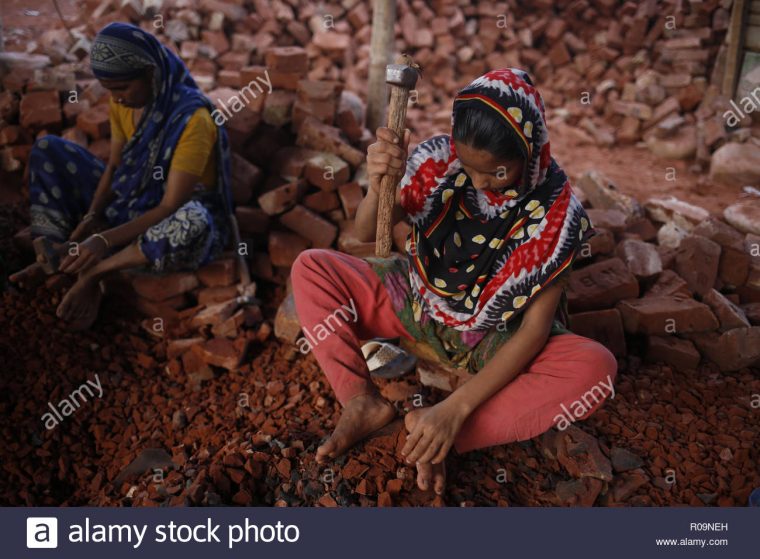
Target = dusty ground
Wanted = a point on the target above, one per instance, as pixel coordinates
(249, 436)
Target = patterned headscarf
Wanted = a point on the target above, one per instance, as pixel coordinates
(478, 258)
(123, 51)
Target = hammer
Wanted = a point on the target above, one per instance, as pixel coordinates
(402, 77)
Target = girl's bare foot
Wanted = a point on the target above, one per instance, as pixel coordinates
(427, 473)
(81, 303)
(362, 416)
(30, 276)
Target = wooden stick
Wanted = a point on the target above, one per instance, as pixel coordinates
(396, 121)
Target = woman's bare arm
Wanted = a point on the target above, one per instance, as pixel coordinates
(104, 194)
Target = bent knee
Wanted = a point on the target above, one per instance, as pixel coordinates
(308, 261)
(601, 364)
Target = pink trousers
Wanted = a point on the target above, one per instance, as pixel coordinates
(557, 383)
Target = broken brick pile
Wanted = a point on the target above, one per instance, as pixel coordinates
(206, 317)
(238, 416)
(249, 435)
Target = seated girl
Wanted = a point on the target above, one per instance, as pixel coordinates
(161, 201)
(495, 229)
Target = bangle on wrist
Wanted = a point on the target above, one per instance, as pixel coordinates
(102, 238)
(88, 215)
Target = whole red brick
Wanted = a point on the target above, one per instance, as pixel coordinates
(160, 288)
(731, 350)
(670, 283)
(601, 285)
(602, 243)
(322, 201)
(287, 59)
(642, 258)
(729, 315)
(252, 221)
(310, 225)
(289, 162)
(216, 40)
(245, 178)
(282, 198)
(333, 44)
(229, 78)
(278, 107)
(697, 261)
(285, 80)
(660, 316)
(326, 171)
(317, 135)
(350, 195)
(613, 220)
(350, 115)
(678, 353)
(284, 247)
(606, 327)
(220, 273)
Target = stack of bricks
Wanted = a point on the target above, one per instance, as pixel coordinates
(622, 72)
(202, 319)
(668, 280)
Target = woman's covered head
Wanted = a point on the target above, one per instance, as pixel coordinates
(489, 153)
(123, 59)
(499, 133)
(134, 93)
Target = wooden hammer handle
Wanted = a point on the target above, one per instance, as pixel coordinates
(388, 183)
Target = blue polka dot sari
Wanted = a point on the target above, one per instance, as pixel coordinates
(64, 176)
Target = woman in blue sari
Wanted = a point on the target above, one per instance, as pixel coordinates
(161, 201)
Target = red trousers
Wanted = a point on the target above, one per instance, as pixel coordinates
(557, 383)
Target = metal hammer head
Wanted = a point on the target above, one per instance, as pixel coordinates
(401, 75)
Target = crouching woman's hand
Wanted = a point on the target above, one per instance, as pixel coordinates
(83, 256)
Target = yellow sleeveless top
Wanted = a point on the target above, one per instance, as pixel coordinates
(195, 149)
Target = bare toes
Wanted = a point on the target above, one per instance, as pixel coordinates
(439, 478)
(424, 474)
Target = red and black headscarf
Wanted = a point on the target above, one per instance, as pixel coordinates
(477, 258)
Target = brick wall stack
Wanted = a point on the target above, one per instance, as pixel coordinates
(617, 72)
(667, 280)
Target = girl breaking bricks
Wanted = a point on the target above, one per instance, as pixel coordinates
(495, 230)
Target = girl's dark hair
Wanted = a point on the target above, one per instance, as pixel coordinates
(481, 130)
